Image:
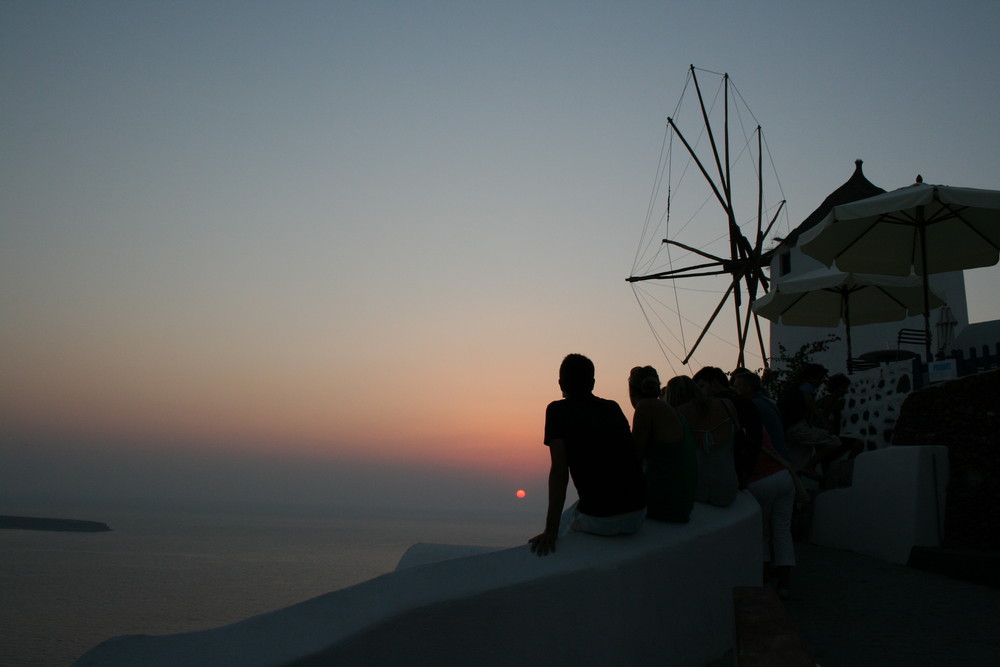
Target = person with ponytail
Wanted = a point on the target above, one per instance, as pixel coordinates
(666, 444)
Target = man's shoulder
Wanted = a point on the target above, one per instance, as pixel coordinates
(586, 405)
(590, 399)
(608, 406)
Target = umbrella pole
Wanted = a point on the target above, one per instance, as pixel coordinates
(847, 330)
(927, 323)
(923, 261)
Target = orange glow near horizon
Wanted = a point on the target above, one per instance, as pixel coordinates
(448, 417)
(421, 433)
(472, 404)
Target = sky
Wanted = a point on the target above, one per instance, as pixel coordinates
(334, 252)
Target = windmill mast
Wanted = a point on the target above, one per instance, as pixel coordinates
(747, 261)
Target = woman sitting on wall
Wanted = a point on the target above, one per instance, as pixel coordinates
(666, 444)
(714, 423)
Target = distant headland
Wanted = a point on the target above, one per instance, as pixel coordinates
(38, 523)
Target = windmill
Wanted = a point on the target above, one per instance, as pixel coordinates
(744, 261)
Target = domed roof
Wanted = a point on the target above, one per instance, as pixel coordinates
(857, 187)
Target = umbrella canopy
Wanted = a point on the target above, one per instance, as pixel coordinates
(825, 299)
(919, 229)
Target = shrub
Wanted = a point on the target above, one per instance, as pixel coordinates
(785, 370)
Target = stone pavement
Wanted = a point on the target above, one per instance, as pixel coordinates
(858, 611)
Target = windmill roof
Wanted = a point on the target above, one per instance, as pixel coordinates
(857, 187)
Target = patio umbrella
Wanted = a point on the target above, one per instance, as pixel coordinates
(825, 299)
(919, 229)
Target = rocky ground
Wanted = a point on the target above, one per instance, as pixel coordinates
(856, 611)
(963, 415)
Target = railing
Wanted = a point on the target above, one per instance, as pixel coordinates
(876, 396)
(965, 363)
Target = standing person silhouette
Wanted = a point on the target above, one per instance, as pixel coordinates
(589, 440)
(747, 384)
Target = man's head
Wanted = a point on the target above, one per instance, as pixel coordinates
(643, 382)
(576, 375)
(681, 390)
(711, 380)
(746, 383)
(814, 373)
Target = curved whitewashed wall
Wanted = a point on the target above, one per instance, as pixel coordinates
(660, 597)
(896, 501)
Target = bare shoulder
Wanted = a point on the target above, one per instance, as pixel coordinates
(689, 409)
(655, 408)
(725, 406)
(665, 417)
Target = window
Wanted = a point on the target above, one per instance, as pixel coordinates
(786, 264)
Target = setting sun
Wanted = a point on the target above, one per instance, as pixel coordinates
(520, 493)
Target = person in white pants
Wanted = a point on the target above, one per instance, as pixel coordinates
(773, 487)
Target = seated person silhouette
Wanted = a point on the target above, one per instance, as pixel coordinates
(807, 428)
(589, 440)
(749, 430)
(665, 442)
(713, 422)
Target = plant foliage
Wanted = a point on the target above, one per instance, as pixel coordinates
(786, 369)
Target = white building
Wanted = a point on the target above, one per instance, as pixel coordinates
(876, 342)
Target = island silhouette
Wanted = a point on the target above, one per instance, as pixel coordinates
(42, 523)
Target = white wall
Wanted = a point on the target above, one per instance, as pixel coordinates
(896, 502)
(662, 596)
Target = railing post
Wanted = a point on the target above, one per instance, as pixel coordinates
(918, 372)
(960, 365)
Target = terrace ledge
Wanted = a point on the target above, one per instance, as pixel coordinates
(662, 596)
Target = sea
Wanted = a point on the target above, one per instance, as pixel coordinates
(164, 570)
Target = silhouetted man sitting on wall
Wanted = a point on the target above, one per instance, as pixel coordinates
(589, 438)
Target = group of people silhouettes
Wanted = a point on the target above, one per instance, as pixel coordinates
(699, 439)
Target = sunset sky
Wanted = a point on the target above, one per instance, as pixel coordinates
(335, 251)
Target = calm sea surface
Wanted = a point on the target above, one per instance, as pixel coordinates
(161, 572)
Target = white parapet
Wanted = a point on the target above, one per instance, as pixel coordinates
(662, 596)
(896, 501)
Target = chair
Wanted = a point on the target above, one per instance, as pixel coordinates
(911, 337)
